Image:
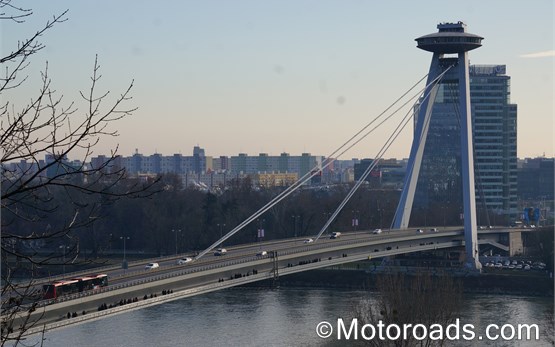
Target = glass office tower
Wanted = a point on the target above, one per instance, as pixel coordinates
(495, 159)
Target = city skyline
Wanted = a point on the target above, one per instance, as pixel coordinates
(280, 77)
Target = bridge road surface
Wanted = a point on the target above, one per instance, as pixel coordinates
(136, 269)
(137, 276)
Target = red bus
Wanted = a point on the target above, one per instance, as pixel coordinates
(74, 285)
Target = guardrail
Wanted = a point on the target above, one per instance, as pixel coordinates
(148, 280)
(230, 282)
(171, 257)
(144, 303)
(309, 247)
(157, 259)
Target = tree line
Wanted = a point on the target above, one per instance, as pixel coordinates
(171, 217)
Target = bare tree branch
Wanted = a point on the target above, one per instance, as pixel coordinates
(39, 182)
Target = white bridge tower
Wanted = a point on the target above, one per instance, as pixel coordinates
(451, 38)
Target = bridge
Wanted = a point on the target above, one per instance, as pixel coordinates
(242, 265)
(136, 287)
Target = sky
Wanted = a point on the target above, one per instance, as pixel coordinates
(250, 76)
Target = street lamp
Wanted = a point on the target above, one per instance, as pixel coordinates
(124, 263)
(355, 219)
(175, 232)
(260, 233)
(222, 226)
(295, 219)
(64, 248)
(327, 216)
(444, 208)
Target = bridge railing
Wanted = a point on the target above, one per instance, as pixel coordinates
(207, 267)
(202, 288)
(138, 262)
(138, 304)
(100, 269)
(79, 295)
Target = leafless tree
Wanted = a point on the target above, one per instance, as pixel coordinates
(37, 140)
(547, 327)
(411, 299)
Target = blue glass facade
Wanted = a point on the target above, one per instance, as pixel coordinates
(494, 132)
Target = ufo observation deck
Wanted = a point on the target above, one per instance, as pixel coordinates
(451, 38)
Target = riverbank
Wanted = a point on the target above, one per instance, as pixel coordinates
(485, 283)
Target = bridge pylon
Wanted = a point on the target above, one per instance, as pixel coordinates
(452, 39)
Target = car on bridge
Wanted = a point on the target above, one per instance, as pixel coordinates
(261, 253)
(335, 235)
(434, 230)
(184, 261)
(377, 231)
(420, 231)
(152, 266)
(220, 252)
(308, 241)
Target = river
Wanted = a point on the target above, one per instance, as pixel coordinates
(279, 317)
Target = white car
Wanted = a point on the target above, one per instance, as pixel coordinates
(261, 253)
(335, 235)
(308, 241)
(420, 231)
(377, 231)
(220, 251)
(151, 266)
(183, 261)
(434, 230)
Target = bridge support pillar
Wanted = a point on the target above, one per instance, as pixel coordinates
(452, 38)
(402, 215)
(467, 167)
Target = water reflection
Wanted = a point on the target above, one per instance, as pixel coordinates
(264, 317)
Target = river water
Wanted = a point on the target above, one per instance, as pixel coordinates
(278, 317)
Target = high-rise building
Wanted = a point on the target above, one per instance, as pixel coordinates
(494, 137)
(494, 126)
(199, 160)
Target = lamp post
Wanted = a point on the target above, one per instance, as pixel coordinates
(221, 226)
(327, 216)
(260, 231)
(64, 248)
(175, 232)
(295, 219)
(124, 263)
(355, 219)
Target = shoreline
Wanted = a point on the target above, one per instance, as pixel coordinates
(538, 286)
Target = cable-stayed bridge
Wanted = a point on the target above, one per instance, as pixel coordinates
(135, 287)
(245, 264)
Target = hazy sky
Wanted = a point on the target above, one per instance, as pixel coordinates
(273, 76)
